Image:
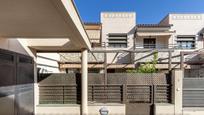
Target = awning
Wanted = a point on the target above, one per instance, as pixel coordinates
(47, 21)
(169, 33)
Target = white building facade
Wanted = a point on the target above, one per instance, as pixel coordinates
(127, 44)
(179, 32)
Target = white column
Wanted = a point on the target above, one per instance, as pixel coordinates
(84, 83)
(177, 89)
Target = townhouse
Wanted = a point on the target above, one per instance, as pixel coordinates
(119, 44)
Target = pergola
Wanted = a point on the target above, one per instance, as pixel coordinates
(47, 26)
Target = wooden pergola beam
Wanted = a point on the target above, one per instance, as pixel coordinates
(170, 61)
(132, 51)
(182, 60)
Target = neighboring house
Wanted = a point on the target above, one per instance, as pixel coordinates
(94, 32)
(121, 44)
(179, 32)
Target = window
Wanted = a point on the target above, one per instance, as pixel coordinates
(117, 40)
(149, 43)
(186, 42)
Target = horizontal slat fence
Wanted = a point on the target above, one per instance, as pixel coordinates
(115, 93)
(139, 93)
(105, 93)
(120, 88)
(59, 94)
(193, 97)
(162, 93)
(193, 92)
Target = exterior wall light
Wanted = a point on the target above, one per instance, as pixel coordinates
(103, 111)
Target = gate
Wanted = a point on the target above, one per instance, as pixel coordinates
(16, 84)
(141, 98)
(143, 90)
(193, 92)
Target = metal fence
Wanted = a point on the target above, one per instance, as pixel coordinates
(59, 94)
(193, 92)
(106, 93)
(111, 93)
(16, 83)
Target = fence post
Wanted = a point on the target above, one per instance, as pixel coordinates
(177, 90)
(153, 91)
(92, 92)
(124, 93)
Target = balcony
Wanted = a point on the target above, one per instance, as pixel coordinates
(168, 53)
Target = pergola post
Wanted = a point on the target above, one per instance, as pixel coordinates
(84, 83)
(182, 60)
(105, 68)
(170, 61)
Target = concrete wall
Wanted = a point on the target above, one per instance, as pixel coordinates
(175, 108)
(48, 62)
(188, 24)
(193, 111)
(118, 22)
(164, 109)
(93, 109)
(94, 35)
(177, 90)
(58, 109)
(12, 45)
(161, 42)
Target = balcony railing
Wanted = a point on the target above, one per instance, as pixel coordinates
(166, 46)
(152, 46)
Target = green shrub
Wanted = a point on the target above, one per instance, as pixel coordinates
(148, 67)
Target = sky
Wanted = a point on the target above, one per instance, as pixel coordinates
(147, 11)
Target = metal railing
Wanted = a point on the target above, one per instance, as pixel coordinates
(153, 46)
(110, 93)
(165, 46)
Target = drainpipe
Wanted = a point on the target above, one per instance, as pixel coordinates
(84, 83)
